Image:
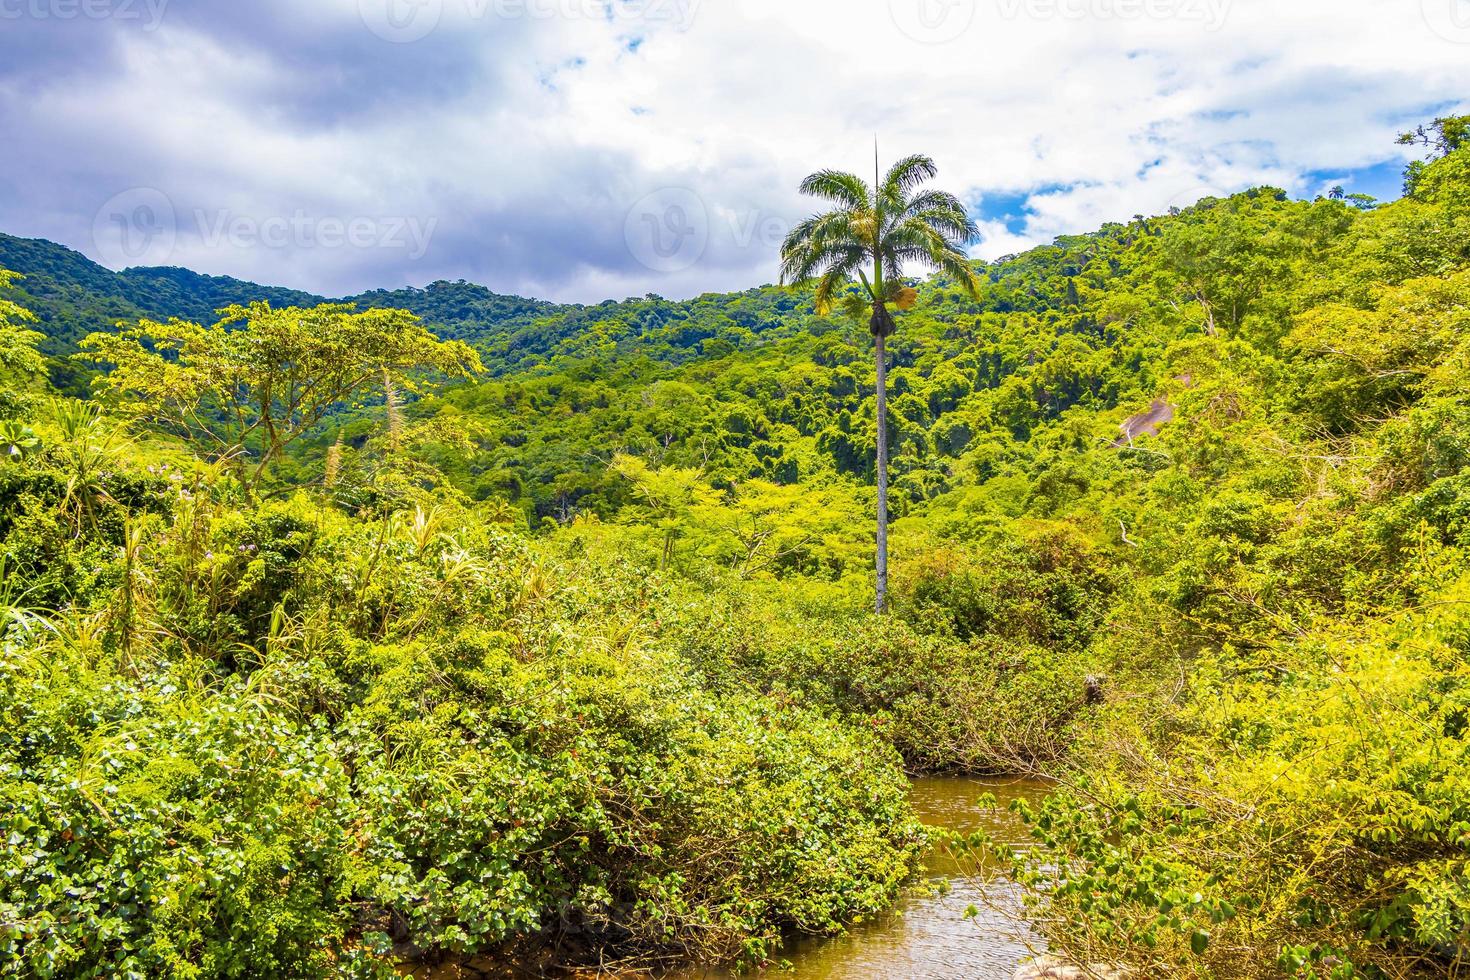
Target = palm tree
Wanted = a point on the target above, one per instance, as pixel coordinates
(887, 225)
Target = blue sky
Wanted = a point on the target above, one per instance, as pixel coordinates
(586, 149)
(1383, 181)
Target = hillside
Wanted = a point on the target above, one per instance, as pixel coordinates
(545, 633)
(73, 296)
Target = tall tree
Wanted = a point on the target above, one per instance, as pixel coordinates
(892, 223)
(260, 378)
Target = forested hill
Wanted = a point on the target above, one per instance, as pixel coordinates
(1059, 286)
(1064, 343)
(74, 296)
(316, 662)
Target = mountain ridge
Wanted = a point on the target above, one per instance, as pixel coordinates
(54, 273)
(73, 296)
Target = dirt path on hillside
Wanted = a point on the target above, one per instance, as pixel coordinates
(1146, 423)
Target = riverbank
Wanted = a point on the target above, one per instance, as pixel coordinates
(959, 920)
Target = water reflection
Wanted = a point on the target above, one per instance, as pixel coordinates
(928, 937)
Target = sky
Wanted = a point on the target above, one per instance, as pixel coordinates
(580, 150)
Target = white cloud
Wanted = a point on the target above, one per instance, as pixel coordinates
(525, 130)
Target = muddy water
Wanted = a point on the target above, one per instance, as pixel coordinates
(927, 937)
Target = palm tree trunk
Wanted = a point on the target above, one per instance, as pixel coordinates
(880, 359)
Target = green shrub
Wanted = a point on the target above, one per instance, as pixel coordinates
(318, 743)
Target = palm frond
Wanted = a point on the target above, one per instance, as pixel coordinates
(817, 243)
(945, 212)
(845, 189)
(891, 224)
(948, 262)
(919, 237)
(932, 200)
(909, 173)
(808, 263)
(837, 275)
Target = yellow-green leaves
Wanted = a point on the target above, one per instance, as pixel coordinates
(254, 382)
(20, 362)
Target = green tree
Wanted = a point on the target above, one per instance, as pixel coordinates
(260, 378)
(665, 497)
(890, 224)
(19, 359)
(1442, 137)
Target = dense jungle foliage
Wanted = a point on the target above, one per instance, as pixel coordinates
(335, 637)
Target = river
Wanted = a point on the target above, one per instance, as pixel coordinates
(927, 937)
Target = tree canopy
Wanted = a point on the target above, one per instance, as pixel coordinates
(260, 378)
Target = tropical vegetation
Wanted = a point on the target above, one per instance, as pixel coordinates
(892, 224)
(434, 624)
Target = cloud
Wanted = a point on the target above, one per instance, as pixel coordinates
(580, 149)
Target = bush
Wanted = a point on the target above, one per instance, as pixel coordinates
(417, 737)
(986, 704)
(151, 828)
(602, 799)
